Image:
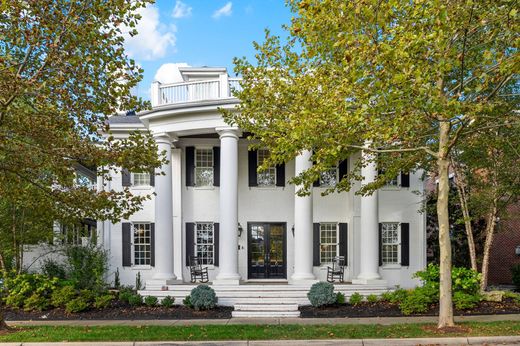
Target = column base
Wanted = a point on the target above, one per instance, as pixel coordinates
(369, 282)
(227, 279)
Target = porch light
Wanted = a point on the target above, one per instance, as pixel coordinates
(292, 230)
(517, 250)
(240, 229)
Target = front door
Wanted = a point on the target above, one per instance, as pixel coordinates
(267, 256)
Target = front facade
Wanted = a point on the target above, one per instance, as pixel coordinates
(247, 226)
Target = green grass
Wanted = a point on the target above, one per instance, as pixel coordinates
(249, 332)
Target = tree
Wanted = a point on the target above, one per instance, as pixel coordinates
(63, 70)
(404, 80)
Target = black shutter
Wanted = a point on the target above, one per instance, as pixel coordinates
(125, 177)
(152, 177)
(190, 166)
(280, 175)
(316, 244)
(405, 179)
(190, 241)
(152, 244)
(405, 244)
(216, 166)
(315, 183)
(343, 169)
(380, 244)
(343, 241)
(252, 165)
(127, 244)
(216, 243)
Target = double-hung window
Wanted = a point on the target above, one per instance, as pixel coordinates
(329, 242)
(390, 241)
(203, 167)
(268, 176)
(329, 178)
(142, 244)
(141, 179)
(205, 242)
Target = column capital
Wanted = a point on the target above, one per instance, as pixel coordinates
(164, 137)
(229, 131)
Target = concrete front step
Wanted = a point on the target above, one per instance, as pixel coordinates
(266, 307)
(265, 313)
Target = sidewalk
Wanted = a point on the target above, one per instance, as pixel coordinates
(492, 340)
(271, 321)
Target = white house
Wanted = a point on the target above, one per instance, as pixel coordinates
(248, 226)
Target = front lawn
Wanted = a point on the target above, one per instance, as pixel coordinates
(252, 332)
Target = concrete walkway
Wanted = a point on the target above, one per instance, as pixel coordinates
(494, 340)
(271, 321)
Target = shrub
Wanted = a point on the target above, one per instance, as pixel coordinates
(103, 301)
(187, 302)
(418, 300)
(203, 297)
(52, 269)
(463, 279)
(322, 293)
(398, 296)
(36, 302)
(62, 296)
(355, 298)
(87, 266)
(124, 296)
(150, 301)
(135, 300)
(464, 301)
(77, 304)
(515, 273)
(372, 298)
(512, 295)
(340, 298)
(117, 281)
(22, 286)
(167, 301)
(386, 296)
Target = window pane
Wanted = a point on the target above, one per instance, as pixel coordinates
(141, 179)
(267, 177)
(204, 167)
(328, 242)
(204, 246)
(329, 178)
(390, 240)
(142, 244)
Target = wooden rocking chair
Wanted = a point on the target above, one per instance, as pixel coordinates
(197, 271)
(337, 269)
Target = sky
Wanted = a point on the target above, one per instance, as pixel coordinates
(200, 33)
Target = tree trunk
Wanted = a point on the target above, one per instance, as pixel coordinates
(445, 294)
(490, 232)
(460, 183)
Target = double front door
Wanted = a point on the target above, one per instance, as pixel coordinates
(267, 256)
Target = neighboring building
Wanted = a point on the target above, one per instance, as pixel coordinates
(248, 226)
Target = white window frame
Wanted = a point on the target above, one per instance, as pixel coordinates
(397, 243)
(142, 176)
(204, 260)
(394, 183)
(270, 171)
(147, 260)
(208, 166)
(322, 184)
(322, 243)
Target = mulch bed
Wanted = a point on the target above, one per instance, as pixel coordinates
(385, 309)
(121, 311)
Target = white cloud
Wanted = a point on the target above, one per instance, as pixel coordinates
(169, 73)
(153, 40)
(181, 10)
(223, 11)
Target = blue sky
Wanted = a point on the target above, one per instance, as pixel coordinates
(200, 33)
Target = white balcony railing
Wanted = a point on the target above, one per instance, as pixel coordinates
(163, 94)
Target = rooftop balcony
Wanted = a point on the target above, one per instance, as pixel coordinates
(217, 88)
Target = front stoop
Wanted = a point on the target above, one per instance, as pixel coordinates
(266, 310)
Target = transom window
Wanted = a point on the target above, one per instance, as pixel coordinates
(329, 178)
(203, 167)
(267, 177)
(142, 244)
(390, 242)
(204, 242)
(329, 244)
(141, 179)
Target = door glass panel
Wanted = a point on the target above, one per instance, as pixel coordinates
(257, 247)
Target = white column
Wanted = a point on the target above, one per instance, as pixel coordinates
(177, 212)
(228, 266)
(155, 94)
(164, 215)
(303, 227)
(369, 255)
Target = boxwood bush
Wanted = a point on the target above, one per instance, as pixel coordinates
(203, 297)
(322, 293)
(167, 301)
